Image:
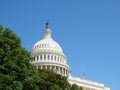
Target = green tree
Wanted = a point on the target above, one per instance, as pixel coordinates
(52, 81)
(16, 73)
(75, 87)
(81, 88)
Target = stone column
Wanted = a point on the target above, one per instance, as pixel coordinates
(65, 72)
(59, 70)
(42, 57)
(41, 67)
(50, 67)
(55, 69)
(46, 66)
(50, 57)
(62, 71)
(39, 58)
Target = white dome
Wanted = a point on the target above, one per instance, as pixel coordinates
(48, 54)
(47, 43)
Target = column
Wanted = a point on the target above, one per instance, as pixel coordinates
(50, 57)
(62, 72)
(42, 57)
(55, 69)
(41, 67)
(50, 67)
(65, 72)
(59, 70)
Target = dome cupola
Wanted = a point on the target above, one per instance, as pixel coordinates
(47, 32)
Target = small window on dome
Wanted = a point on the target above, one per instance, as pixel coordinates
(44, 57)
(55, 58)
(34, 59)
(48, 57)
(40, 57)
(61, 60)
(58, 59)
(52, 57)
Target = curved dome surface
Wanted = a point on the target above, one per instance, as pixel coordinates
(47, 43)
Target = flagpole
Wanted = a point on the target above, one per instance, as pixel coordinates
(81, 71)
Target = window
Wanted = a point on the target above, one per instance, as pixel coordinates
(55, 58)
(34, 59)
(44, 57)
(48, 57)
(58, 59)
(52, 57)
(37, 58)
(40, 57)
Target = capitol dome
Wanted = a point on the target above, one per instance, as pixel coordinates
(48, 54)
(47, 43)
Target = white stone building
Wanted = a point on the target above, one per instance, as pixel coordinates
(48, 54)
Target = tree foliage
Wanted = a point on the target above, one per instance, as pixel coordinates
(75, 87)
(52, 81)
(15, 70)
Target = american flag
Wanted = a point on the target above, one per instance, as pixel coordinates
(84, 75)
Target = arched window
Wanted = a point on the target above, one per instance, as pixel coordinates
(37, 58)
(40, 57)
(58, 59)
(61, 60)
(44, 57)
(48, 57)
(51, 57)
(34, 59)
(55, 58)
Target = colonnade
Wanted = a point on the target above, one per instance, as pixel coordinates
(59, 70)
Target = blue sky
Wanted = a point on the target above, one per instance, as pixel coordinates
(87, 30)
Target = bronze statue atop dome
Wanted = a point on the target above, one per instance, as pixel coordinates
(47, 23)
